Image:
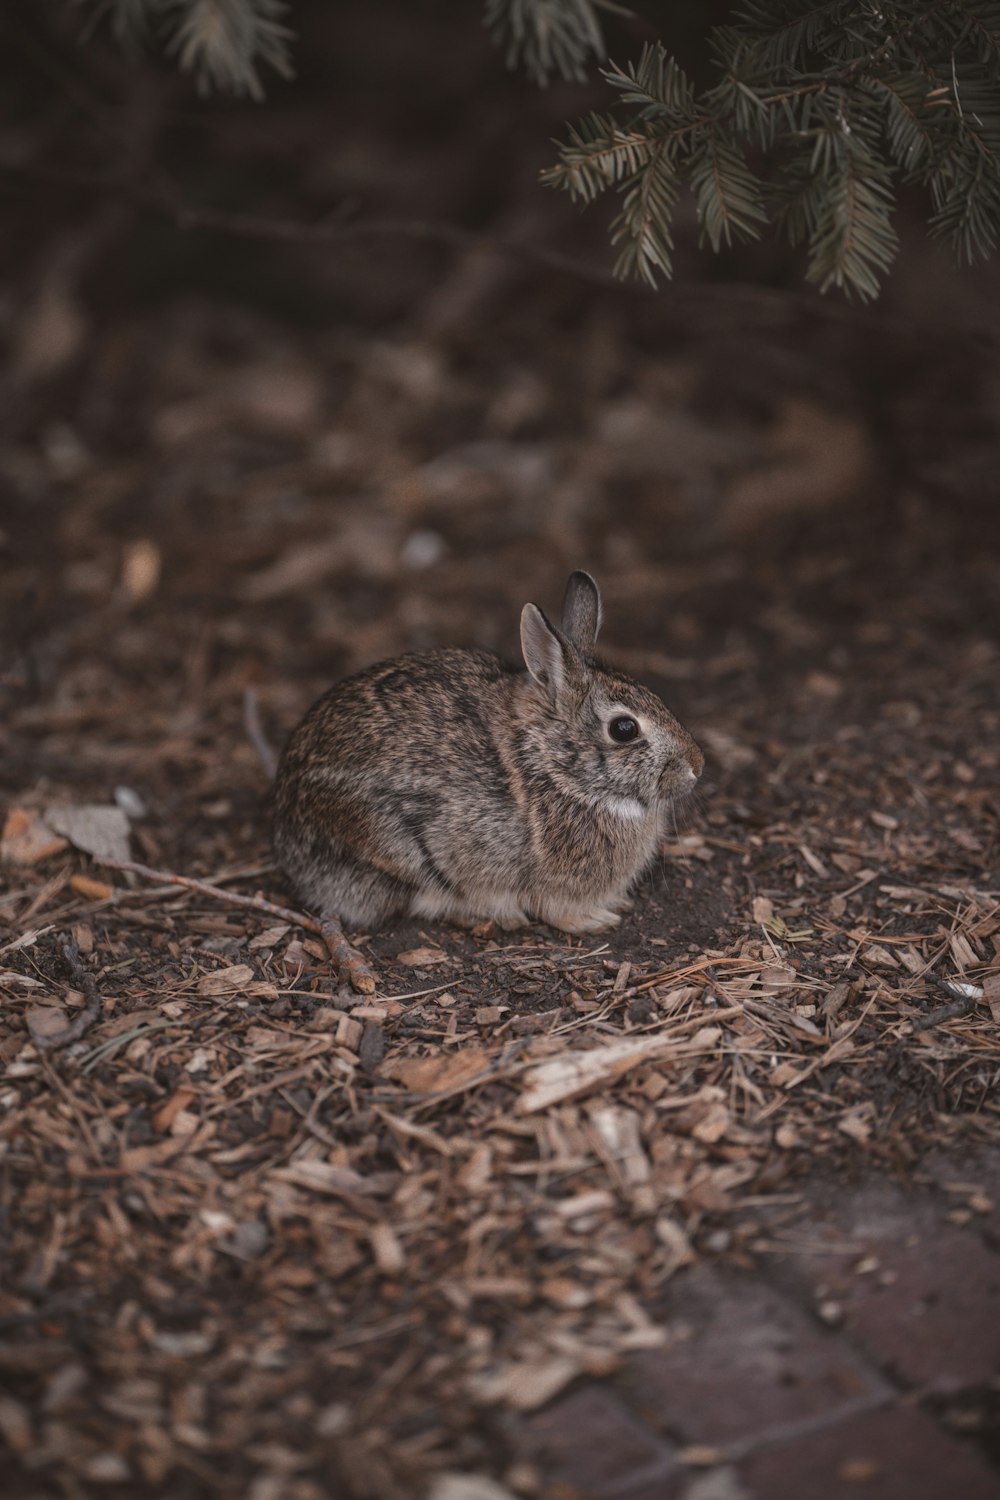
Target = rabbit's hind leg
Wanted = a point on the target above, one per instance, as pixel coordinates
(352, 890)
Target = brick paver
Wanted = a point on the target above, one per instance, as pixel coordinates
(751, 1361)
(888, 1455)
(589, 1445)
(920, 1297)
(802, 1376)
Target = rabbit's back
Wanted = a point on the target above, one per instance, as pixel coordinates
(401, 770)
(411, 714)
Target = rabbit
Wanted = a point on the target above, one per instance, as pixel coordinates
(455, 785)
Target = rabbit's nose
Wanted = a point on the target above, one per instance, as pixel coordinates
(696, 762)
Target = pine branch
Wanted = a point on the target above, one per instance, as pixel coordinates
(845, 101)
(780, 39)
(222, 42)
(643, 226)
(599, 154)
(818, 111)
(547, 36)
(656, 85)
(129, 19)
(853, 243)
(727, 194)
(911, 122)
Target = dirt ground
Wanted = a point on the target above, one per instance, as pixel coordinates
(261, 1237)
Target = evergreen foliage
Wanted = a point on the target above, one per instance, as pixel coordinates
(546, 36)
(816, 113)
(222, 42)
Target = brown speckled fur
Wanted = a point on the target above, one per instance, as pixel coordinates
(454, 785)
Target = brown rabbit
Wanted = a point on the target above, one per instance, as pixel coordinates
(455, 785)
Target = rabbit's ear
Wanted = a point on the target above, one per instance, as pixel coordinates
(545, 651)
(582, 612)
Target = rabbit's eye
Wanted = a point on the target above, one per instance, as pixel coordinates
(623, 729)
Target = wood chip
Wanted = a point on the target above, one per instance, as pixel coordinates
(576, 1073)
(991, 994)
(387, 1249)
(421, 958)
(231, 981)
(525, 1385)
(92, 890)
(45, 1022)
(437, 1074)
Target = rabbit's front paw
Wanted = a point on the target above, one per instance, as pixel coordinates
(594, 919)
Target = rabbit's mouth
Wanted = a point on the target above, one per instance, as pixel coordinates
(677, 782)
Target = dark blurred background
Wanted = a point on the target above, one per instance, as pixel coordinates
(294, 384)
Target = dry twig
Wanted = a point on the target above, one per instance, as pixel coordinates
(91, 1010)
(350, 962)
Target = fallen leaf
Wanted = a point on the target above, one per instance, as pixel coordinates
(27, 838)
(100, 831)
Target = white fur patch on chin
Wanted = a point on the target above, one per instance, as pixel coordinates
(629, 808)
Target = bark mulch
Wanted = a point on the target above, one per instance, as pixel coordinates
(264, 1236)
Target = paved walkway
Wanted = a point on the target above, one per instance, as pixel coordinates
(860, 1363)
